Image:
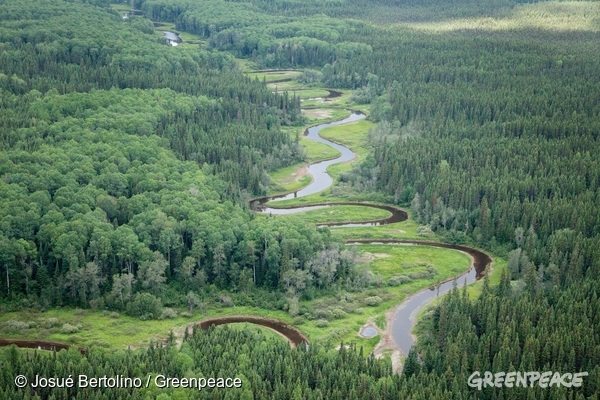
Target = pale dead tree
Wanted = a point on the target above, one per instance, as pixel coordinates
(122, 287)
(519, 236)
(193, 300)
(324, 266)
(295, 280)
(84, 282)
(152, 274)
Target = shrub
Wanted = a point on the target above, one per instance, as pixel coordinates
(299, 321)
(15, 326)
(97, 304)
(359, 311)
(338, 313)
(68, 329)
(398, 280)
(145, 306)
(424, 230)
(427, 274)
(336, 334)
(373, 301)
(349, 308)
(324, 314)
(322, 323)
(74, 339)
(168, 313)
(348, 297)
(99, 343)
(225, 301)
(49, 322)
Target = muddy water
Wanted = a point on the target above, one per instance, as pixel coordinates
(39, 344)
(292, 334)
(396, 214)
(406, 313)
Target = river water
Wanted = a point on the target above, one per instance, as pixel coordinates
(406, 313)
(321, 179)
(172, 38)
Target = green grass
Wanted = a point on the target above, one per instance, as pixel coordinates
(188, 36)
(381, 322)
(324, 196)
(274, 76)
(446, 261)
(339, 214)
(317, 151)
(399, 230)
(309, 93)
(390, 260)
(352, 135)
(98, 328)
(325, 115)
(282, 86)
(285, 180)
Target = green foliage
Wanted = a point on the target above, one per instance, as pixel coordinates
(102, 194)
(373, 301)
(144, 306)
(321, 323)
(266, 365)
(68, 329)
(236, 131)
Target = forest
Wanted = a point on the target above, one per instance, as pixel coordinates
(82, 217)
(127, 167)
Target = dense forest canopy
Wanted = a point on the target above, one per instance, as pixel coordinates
(77, 49)
(126, 166)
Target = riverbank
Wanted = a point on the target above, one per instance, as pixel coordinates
(323, 316)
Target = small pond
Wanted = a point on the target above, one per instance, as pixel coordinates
(369, 332)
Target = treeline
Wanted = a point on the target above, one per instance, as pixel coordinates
(506, 329)
(534, 326)
(386, 11)
(267, 368)
(114, 186)
(96, 207)
(247, 31)
(69, 52)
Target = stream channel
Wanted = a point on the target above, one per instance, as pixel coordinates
(405, 314)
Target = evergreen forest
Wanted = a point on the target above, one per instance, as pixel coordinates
(128, 169)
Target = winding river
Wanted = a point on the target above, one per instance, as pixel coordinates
(405, 314)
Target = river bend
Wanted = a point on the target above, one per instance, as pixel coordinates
(405, 314)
